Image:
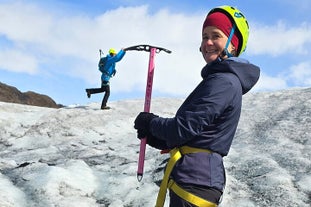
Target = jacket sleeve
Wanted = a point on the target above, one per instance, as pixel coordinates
(205, 104)
(119, 56)
(113, 59)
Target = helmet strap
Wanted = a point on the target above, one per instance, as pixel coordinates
(225, 51)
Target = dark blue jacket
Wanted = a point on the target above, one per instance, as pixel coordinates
(208, 119)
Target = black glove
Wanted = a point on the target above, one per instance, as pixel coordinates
(142, 123)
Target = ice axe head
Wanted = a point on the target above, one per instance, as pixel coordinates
(147, 48)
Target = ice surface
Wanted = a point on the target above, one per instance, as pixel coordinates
(86, 157)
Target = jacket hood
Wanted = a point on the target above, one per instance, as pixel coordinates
(247, 73)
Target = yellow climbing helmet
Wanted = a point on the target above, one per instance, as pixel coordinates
(112, 51)
(240, 22)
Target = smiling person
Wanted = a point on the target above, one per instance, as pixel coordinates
(202, 130)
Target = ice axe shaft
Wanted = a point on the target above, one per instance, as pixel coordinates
(152, 50)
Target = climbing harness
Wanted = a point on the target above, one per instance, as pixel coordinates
(175, 155)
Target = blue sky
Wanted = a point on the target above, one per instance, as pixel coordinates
(51, 46)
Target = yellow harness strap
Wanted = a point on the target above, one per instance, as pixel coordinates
(191, 198)
(176, 154)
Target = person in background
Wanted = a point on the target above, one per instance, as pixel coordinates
(202, 130)
(107, 68)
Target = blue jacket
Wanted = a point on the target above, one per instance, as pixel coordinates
(208, 119)
(110, 65)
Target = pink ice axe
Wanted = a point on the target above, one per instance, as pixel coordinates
(153, 50)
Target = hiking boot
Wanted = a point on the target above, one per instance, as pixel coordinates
(88, 93)
(105, 108)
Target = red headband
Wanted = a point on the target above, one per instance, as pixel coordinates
(222, 22)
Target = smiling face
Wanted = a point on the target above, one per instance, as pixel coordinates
(213, 44)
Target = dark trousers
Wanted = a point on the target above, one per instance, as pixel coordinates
(104, 88)
(209, 194)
